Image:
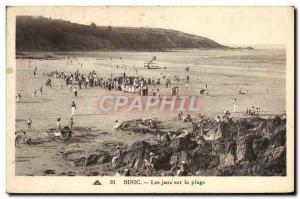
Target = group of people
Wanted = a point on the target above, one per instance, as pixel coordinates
(40, 89)
(252, 111)
(75, 78)
(139, 84)
(34, 71)
(226, 116)
(133, 84)
(185, 118)
(70, 124)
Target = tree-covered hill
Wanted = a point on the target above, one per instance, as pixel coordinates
(40, 33)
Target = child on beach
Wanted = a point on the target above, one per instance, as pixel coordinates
(71, 124)
(234, 105)
(34, 93)
(75, 92)
(158, 94)
(41, 88)
(73, 108)
(58, 126)
(18, 97)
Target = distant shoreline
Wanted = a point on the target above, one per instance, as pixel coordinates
(23, 54)
(124, 49)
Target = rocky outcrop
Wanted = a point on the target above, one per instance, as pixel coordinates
(183, 143)
(89, 159)
(246, 147)
(244, 150)
(275, 159)
(140, 126)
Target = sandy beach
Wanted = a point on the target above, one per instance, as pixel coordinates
(260, 74)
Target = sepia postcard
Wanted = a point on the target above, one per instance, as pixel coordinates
(150, 99)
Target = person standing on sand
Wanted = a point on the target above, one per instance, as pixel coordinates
(206, 89)
(18, 97)
(34, 72)
(234, 105)
(71, 124)
(71, 79)
(73, 108)
(58, 125)
(75, 92)
(79, 83)
(257, 110)
(29, 122)
(50, 83)
(41, 88)
(157, 94)
(34, 93)
(153, 92)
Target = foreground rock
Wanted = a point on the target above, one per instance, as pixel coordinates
(140, 126)
(88, 159)
(250, 146)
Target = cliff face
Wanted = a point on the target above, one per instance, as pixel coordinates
(39, 33)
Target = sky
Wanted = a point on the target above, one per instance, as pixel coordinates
(225, 25)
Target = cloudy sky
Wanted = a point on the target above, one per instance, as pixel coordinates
(226, 25)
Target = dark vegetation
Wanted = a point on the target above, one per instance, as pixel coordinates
(40, 33)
